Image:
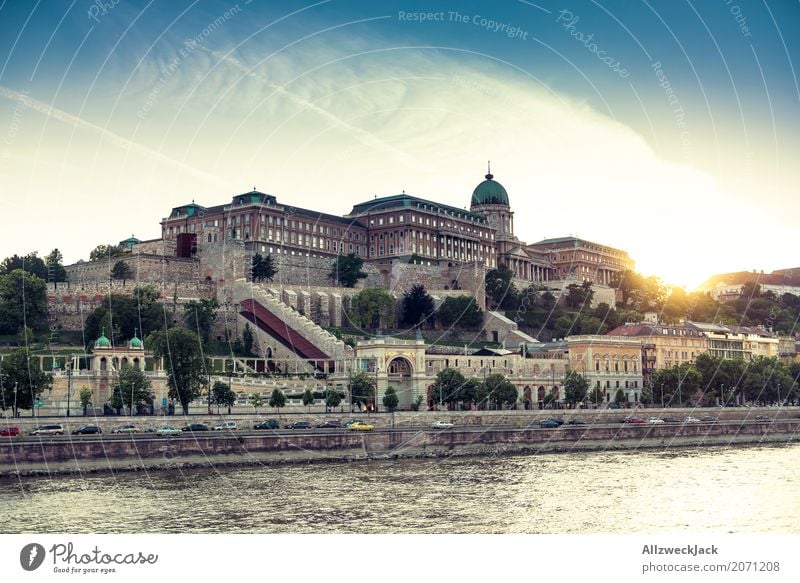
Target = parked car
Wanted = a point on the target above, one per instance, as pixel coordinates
(635, 421)
(330, 424)
(350, 422)
(442, 424)
(48, 430)
(266, 424)
(149, 429)
(168, 430)
(298, 425)
(763, 418)
(10, 431)
(126, 429)
(691, 419)
(88, 430)
(614, 406)
(576, 421)
(361, 426)
(671, 420)
(225, 426)
(195, 427)
(548, 424)
(709, 419)
(655, 420)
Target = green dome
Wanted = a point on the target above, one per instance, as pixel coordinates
(489, 192)
(102, 342)
(135, 343)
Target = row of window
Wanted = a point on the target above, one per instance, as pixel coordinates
(400, 219)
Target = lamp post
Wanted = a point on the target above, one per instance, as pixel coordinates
(69, 384)
(662, 395)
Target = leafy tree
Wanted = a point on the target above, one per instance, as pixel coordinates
(332, 399)
(106, 252)
(256, 401)
(55, 266)
(223, 396)
(247, 339)
(362, 387)
(200, 315)
(448, 385)
(499, 391)
(30, 263)
(607, 315)
(263, 268)
(131, 389)
(575, 388)
(308, 399)
(23, 301)
(277, 399)
(121, 271)
(373, 308)
(579, 296)
(21, 380)
(417, 305)
(390, 400)
(597, 396)
(619, 397)
(346, 270)
(86, 398)
(461, 312)
(186, 367)
(140, 313)
(500, 288)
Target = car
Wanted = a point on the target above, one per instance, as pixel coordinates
(195, 427)
(126, 429)
(670, 420)
(576, 421)
(548, 424)
(655, 420)
(10, 431)
(361, 426)
(614, 406)
(350, 422)
(708, 419)
(442, 424)
(763, 418)
(87, 430)
(48, 430)
(149, 429)
(330, 424)
(691, 419)
(225, 426)
(634, 420)
(267, 424)
(168, 430)
(298, 425)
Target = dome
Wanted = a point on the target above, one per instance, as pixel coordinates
(135, 343)
(102, 342)
(489, 192)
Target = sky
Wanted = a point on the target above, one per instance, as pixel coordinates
(668, 128)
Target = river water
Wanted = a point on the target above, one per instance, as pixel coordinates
(714, 490)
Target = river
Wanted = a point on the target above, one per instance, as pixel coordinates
(710, 489)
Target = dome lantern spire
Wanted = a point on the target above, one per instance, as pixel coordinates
(489, 174)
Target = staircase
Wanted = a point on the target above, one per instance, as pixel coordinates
(296, 332)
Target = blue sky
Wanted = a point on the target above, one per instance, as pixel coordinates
(668, 128)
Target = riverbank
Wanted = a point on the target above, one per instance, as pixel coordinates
(50, 457)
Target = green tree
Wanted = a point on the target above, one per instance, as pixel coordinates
(256, 401)
(247, 339)
(121, 271)
(500, 391)
(131, 389)
(448, 386)
(373, 308)
(332, 399)
(223, 396)
(461, 312)
(346, 270)
(186, 367)
(106, 252)
(575, 388)
(263, 268)
(139, 314)
(417, 306)
(308, 399)
(23, 301)
(579, 296)
(277, 400)
(86, 398)
(597, 396)
(362, 387)
(55, 266)
(619, 397)
(30, 263)
(21, 380)
(500, 289)
(200, 315)
(390, 400)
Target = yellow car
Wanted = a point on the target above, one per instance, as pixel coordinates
(360, 426)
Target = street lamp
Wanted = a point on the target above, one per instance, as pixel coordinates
(662, 395)
(69, 383)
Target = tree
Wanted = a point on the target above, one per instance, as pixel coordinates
(262, 267)
(597, 396)
(575, 388)
(447, 386)
(23, 301)
(120, 271)
(256, 401)
(500, 391)
(362, 387)
(619, 397)
(21, 380)
(277, 399)
(417, 305)
(140, 314)
(346, 270)
(308, 399)
(131, 389)
(30, 263)
(247, 339)
(86, 398)
(373, 308)
(461, 312)
(200, 315)
(390, 400)
(186, 367)
(332, 399)
(500, 289)
(579, 296)
(223, 396)
(55, 266)
(102, 252)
